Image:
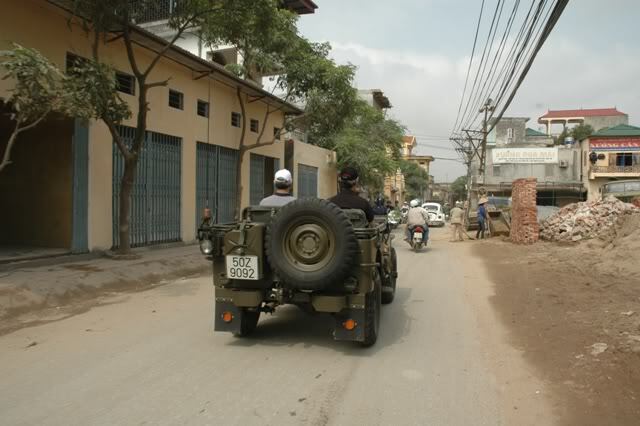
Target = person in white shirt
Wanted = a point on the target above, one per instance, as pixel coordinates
(417, 216)
(282, 194)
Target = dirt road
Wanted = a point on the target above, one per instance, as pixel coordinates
(152, 358)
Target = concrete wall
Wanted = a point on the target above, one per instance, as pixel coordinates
(601, 122)
(54, 39)
(321, 158)
(517, 124)
(542, 172)
(36, 201)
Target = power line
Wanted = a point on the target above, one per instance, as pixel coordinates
(482, 60)
(497, 15)
(553, 20)
(473, 50)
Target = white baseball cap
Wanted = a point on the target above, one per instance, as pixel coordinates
(283, 176)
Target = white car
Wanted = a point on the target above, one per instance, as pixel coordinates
(436, 215)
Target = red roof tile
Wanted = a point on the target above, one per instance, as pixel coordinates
(569, 113)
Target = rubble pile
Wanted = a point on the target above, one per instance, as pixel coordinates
(583, 221)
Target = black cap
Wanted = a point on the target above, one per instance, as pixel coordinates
(348, 174)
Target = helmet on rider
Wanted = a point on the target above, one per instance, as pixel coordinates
(415, 203)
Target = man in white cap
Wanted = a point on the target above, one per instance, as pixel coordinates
(282, 194)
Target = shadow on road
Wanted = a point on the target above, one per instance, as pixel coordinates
(290, 326)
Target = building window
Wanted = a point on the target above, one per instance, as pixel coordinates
(254, 125)
(176, 99)
(125, 83)
(203, 108)
(235, 119)
(74, 61)
(496, 170)
(624, 159)
(510, 135)
(276, 133)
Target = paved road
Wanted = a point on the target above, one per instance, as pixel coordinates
(151, 358)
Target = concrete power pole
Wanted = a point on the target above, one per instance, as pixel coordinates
(486, 108)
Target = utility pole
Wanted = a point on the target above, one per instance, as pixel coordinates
(486, 108)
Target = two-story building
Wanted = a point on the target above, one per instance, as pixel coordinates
(515, 151)
(62, 189)
(598, 118)
(609, 157)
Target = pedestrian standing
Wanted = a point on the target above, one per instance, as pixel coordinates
(482, 217)
(456, 215)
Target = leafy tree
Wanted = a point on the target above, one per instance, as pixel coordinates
(40, 89)
(581, 132)
(267, 40)
(578, 133)
(371, 143)
(459, 188)
(416, 178)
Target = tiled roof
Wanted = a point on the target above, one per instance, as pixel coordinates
(617, 131)
(569, 113)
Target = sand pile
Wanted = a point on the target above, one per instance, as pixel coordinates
(587, 220)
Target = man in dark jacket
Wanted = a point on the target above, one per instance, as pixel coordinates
(348, 197)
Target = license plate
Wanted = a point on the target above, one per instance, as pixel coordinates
(417, 235)
(242, 267)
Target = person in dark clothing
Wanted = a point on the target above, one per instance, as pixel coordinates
(379, 209)
(348, 197)
(482, 218)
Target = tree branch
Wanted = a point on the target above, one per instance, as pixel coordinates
(168, 46)
(6, 158)
(158, 83)
(131, 55)
(116, 137)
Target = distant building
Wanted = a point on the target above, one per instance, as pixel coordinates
(514, 131)
(515, 151)
(598, 118)
(610, 156)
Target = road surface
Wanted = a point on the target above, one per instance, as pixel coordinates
(152, 358)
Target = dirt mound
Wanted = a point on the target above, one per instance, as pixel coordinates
(587, 220)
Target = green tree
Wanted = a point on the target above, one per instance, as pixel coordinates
(581, 132)
(371, 143)
(302, 72)
(40, 88)
(459, 188)
(416, 178)
(113, 21)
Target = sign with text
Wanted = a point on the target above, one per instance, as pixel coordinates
(525, 155)
(615, 144)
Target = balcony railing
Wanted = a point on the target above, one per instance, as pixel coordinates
(616, 169)
(153, 11)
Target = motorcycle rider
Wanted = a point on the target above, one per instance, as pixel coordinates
(417, 216)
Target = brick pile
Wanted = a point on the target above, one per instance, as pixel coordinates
(524, 214)
(583, 221)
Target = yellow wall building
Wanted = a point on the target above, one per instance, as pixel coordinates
(61, 189)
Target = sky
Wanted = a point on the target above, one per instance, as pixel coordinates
(417, 52)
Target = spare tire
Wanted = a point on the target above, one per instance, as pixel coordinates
(311, 244)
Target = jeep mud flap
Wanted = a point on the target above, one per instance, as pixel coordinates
(228, 317)
(343, 323)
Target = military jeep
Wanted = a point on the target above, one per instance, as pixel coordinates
(309, 253)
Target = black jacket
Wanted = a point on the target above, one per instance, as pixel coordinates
(348, 199)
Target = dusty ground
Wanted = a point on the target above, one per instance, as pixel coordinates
(563, 305)
(151, 358)
(32, 295)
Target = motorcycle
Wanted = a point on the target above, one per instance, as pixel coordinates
(418, 238)
(394, 218)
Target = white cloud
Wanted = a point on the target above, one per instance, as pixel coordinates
(425, 89)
